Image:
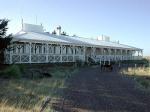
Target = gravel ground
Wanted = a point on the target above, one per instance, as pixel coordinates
(91, 90)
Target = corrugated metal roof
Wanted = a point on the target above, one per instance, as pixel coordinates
(70, 40)
(93, 42)
(38, 36)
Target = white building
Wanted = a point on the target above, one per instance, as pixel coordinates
(33, 45)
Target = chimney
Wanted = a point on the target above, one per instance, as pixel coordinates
(58, 30)
(104, 38)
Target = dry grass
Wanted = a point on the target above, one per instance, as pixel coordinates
(26, 95)
(140, 74)
(140, 71)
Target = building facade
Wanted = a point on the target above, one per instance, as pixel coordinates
(33, 45)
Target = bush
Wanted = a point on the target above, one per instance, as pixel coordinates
(143, 82)
(12, 71)
(79, 63)
(143, 62)
(21, 67)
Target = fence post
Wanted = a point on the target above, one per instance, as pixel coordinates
(149, 66)
(100, 62)
(134, 68)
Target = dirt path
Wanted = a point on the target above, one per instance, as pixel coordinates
(93, 91)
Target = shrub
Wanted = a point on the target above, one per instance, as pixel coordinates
(143, 82)
(12, 71)
(21, 67)
(79, 63)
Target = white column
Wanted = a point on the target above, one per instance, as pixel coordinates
(130, 54)
(66, 49)
(142, 53)
(133, 54)
(42, 48)
(84, 49)
(126, 52)
(121, 53)
(92, 51)
(138, 53)
(34, 47)
(73, 53)
(47, 53)
(61, 48)
(101, 54)
(100, 61)
(102, 51)
(115, 54)
(104, 56)
(10, 53)
(30, 52)
(109, 51)
(54, 49)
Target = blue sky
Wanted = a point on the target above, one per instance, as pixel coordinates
(125, 20)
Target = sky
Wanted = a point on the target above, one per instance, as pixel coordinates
(125, 20)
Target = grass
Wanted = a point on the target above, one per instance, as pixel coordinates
(140, 74)
(13, 71)
(27, 95)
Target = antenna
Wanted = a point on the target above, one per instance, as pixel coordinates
(36, 19)
(22, 24)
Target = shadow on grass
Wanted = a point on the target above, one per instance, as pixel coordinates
(95, 91)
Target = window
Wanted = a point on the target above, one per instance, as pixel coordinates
(69, 50)
(76, 50)
(63, 50)
(32, 48)
(19, 48)
(57, 49)
(14, 49)
(40, 49)
(44, 49)
(51, 49)
(24, 48)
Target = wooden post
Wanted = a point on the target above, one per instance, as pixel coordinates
(134, 68)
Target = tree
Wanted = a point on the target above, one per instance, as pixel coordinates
(63, 33)
(4, 38)
(54, 32)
